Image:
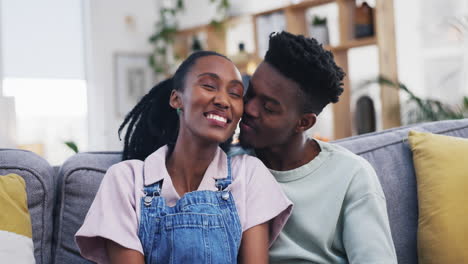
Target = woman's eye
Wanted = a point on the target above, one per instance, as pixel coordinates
(236, 95)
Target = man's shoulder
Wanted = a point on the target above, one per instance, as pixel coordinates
(362, 176)
(340, 153)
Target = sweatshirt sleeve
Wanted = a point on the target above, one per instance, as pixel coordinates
(366, 232)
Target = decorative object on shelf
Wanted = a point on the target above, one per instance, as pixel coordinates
(364, 21)
(196, 44)
(364, 116)
(424, 110)
(133, 78)
(166, 29)
(266, 24)
(242, 57)
(319, 30)
(244, 61)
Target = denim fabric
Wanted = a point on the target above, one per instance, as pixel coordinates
(203, 227)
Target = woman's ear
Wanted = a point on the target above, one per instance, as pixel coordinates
(306, 121)
(175, 100)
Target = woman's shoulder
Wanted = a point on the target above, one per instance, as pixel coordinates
(127, 167)
(246, 161)
(250, 168)
(125, 172)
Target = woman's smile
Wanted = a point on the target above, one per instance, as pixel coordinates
(217, 118)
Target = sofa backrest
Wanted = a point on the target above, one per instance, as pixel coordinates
(80, 176)
(78, 181)
(389, 153)
(39, 178)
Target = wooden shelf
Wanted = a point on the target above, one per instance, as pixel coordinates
(310, 3)
(297, 22)
(356, 43)
(302, 5)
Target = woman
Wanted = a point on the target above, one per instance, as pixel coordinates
(177, 197)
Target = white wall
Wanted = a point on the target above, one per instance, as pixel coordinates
(42, 77)
(107, 31)
(432, 55)
(199, 12)
(7, 122)
(42, 39)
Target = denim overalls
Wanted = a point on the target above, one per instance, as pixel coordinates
(203, 226)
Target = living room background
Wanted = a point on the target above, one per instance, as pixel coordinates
(59, 63)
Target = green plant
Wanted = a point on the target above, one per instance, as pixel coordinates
(420, 109)
(72, 145)
(318, 21)
(166, 29)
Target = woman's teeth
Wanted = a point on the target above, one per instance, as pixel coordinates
(217, 118)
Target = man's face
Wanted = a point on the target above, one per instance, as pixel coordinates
(271, 109)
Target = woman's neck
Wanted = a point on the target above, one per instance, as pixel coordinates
(187, 163)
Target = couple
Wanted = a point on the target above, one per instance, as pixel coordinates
(179, 198)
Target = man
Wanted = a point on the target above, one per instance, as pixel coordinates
(339, 211)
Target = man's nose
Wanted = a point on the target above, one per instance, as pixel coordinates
(250, 108)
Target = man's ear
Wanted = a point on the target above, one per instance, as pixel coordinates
(306, 121)
(175, 100)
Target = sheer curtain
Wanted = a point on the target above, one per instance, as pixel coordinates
(43, 70)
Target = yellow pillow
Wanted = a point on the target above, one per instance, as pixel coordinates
(441, 164)
(16, 244)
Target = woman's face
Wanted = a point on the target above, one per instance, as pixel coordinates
(211, 101)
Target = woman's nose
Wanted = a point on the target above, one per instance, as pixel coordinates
(221, 100)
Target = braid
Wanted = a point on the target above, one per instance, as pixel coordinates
(152, 123)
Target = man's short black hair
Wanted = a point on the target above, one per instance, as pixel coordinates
(304, 61)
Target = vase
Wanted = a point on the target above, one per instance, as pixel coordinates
(320, 33)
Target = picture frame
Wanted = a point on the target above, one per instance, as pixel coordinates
(133, 79)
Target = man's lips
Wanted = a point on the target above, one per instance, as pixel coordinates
(246, 125)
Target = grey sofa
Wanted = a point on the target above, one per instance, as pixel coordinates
(59, 199)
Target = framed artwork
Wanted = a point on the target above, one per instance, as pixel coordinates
(133, 79)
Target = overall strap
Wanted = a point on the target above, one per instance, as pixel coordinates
(222, 184)
(151, 191)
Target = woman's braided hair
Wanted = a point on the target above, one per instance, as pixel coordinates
(153, 123)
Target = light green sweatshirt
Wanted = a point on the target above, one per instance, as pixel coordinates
(339, 213)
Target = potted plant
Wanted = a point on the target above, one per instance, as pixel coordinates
(319, 30)
(423, 109)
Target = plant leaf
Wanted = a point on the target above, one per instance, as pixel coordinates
(72, 146)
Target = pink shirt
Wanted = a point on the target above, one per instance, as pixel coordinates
(115, 212)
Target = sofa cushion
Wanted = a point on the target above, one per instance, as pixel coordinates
(78, 181)
(441, 164)
(391, 157)
(39, 178)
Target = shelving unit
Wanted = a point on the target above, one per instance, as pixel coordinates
(296, 23)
